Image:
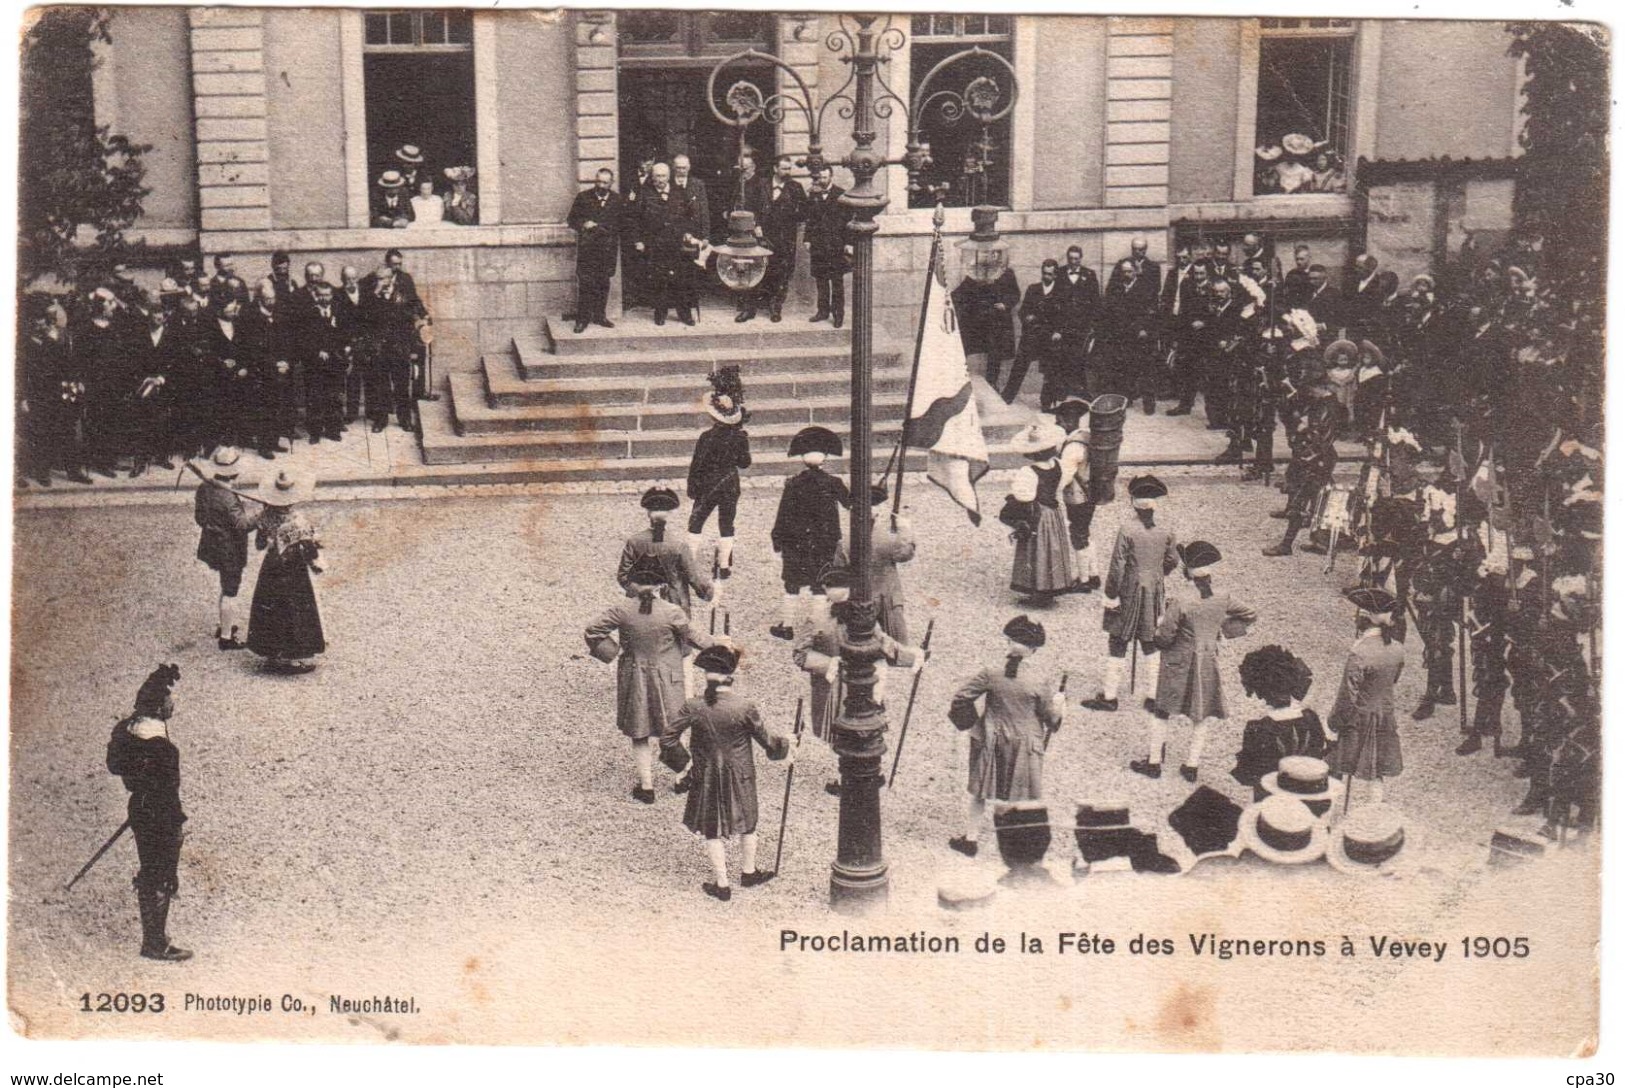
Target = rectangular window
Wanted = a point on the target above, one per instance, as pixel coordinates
(1304, 100)
(972, 160)
(418, 70)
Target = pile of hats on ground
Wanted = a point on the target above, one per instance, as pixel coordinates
(1289, 823)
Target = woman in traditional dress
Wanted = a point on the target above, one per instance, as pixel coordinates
(1024, 707)
(285, 620)
(1288, 728)
(652, 634)
(1362, 719)
(722, 796)
(1044, 560)
(1189, 686)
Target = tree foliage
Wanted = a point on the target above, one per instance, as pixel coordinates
(79, 185)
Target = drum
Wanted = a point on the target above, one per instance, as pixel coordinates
(1023, 830)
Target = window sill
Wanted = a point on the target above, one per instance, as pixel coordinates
(1271, 206)
(443, 237)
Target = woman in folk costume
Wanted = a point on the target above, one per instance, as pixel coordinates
(807, 530)
(818, 653)
(713, 472)
(1143, 556)
(1189, 685)
(1043, 563)
(141, 753)
(1024, 707)
(891, 543)
(669, 553)
(1076, 490)
(285, 619)
(652, 635)
(722, 799)
(1288, 728)
(1362, 718)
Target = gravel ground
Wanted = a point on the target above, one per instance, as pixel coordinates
(442, 809)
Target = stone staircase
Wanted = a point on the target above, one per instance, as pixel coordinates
(625, 403)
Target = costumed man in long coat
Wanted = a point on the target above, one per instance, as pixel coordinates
(987, 320)
(1043, 564)
(1280, 679)
(891, 542)
(1143, 555)
(807, 530)
(223, 542)
(722, 726)
(827, 245)
(596, 216)
(1189, 685)
(1077, 490)
(141, 753)
(285, 618)
(667, 551)
(1363, 717)
(646, 636)
(721, 451)
(1022, 709)
(817, 652)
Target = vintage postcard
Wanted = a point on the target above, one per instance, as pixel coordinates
(933, 530)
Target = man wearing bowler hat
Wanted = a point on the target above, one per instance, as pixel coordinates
(807, 530)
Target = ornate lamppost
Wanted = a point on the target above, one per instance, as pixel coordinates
(858, 876)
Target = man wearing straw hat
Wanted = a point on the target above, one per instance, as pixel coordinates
(218, 509)
(390, 206)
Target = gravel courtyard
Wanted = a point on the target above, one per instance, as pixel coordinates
(442, 809)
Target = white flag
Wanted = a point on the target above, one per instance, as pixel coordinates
(942, 415)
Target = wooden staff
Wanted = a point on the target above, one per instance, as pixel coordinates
(1461, 627)
(97, 856)
(913, 690)
(789, 777)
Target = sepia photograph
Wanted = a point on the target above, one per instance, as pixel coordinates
(739, 528)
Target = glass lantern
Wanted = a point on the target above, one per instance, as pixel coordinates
(742, 262)
(984, 256)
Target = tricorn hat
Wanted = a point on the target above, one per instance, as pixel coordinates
(660, 498)
(1146, 487)
(815, 440)
(1198, 556)
(1070, 412)
(155, 688)
(717, 660)
(1026, 631)
(646, 572)
(878, 494)
(1370, 599)
(1208, 822)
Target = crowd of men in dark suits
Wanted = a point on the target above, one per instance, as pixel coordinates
(659, 230)
(119, 374)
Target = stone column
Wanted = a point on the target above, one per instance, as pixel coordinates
(228, 85)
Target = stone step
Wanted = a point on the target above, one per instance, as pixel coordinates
(716, 329)
(506, 386)
(474, 414)
(608, 453)
(679, 358)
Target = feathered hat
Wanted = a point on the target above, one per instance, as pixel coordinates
(1275, 675)
(155, 689)
(726, 401)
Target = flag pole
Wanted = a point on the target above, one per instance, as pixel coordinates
(937, 220)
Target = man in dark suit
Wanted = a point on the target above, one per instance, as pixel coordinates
(694, 191)
(1221, 346)
(1039, 315)
(48, 408)
(1079, 309)
(269, 345)
(1295, 285)
(388, 317)
(417, 342)
(157, 357)
(1141, 360)
(1362, 300)
(1128, 336)
(347, 302)
(281, 276)
(596, 217)
(1323, 303)
(780, 204)
(323, 354)
(1186, 321)
(827, 245)
(669, 231)
(391, 207)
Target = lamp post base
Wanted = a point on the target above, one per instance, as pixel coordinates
(859, 878)
(858, 893)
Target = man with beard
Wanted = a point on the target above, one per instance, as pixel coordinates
(780, 205)
(669, 230)
(388, 317)
(1129, 322)
(596, 216)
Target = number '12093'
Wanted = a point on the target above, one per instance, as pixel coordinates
(121, 1003)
